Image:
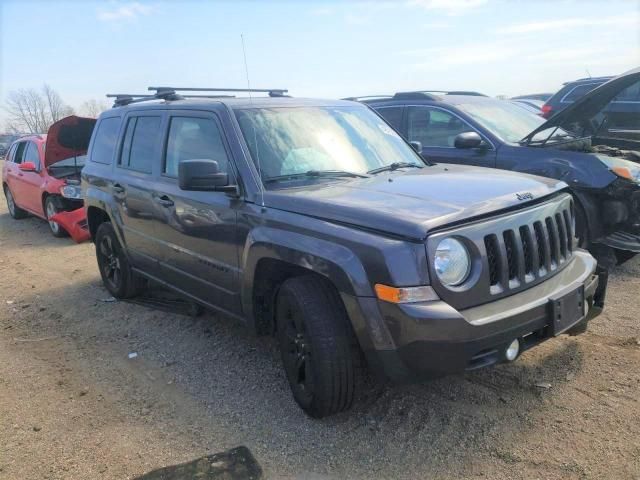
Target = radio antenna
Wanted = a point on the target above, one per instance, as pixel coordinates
(255, 135)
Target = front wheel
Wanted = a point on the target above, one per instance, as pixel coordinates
(318, 347)
(113, 264)
(50, 209)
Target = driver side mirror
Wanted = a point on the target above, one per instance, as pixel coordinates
(203, 175)
(28, 167)
(469, 140)
(417, 146)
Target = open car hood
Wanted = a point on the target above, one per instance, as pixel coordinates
(68, 138)
(585, 108)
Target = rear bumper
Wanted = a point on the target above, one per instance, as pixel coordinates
(412, 342)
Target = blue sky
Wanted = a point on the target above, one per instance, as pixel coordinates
(85, 49)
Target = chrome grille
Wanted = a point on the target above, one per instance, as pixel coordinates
(510, 252)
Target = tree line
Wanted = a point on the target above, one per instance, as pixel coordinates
(33, 110)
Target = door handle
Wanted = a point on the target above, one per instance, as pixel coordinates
(117, 188)
(165, 201)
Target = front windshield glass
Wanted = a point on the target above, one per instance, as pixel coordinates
(294, 140)
(509, 122)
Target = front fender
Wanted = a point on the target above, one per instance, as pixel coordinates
(335, 262)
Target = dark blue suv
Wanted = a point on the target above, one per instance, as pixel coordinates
(574, 146)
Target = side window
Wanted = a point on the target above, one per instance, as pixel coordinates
(393, 115)
(629, 94)
(12, 151)
(32, 155)
(104, 142)
(578, 92)
(191, 138)
(19, 152)
(140, 143)
(433, 127)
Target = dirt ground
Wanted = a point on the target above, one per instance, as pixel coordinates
(73, 405)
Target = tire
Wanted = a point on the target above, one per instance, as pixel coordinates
(319, 350)
(623, 256)
(14, 210)
(50, 209)
(116, 273)
(582, 227)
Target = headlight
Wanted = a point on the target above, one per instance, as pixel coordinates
(71, 191)
(452, 262)
(622, 168)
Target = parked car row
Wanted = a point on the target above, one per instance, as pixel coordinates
(364, 235)
(473, 129)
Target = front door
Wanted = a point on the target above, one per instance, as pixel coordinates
(436, 129)
(27, 185)
(197, 230)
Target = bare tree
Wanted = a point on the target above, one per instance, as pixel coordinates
(92, 108)
(33, 111)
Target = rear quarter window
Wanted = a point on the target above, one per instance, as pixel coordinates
(578, 91)
(104, 142)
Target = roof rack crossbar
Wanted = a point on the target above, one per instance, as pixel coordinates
(273, 92)
(365, 97)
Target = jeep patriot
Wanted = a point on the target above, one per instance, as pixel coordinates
(315, 222)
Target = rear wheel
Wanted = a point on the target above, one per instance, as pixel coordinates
(114, 267)
(50, 209)
(318, 348)
(14, 210)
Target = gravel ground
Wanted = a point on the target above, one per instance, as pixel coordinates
(73, 405)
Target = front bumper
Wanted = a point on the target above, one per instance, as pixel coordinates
(412, 342)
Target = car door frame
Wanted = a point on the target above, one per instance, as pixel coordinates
(218, 285)
(464, 154)
(30, 191)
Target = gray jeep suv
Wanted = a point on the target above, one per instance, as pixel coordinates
(316, 222)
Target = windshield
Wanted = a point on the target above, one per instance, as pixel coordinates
(507, 121)
(290, 141)
(70, 162)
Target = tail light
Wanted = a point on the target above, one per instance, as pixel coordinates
(546, 110)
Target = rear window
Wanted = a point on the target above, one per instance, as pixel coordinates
(141, 140)
(104, 142)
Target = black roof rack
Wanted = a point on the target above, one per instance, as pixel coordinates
(415, 95)
(170, 93)
(433, 94)
(586, 79)
(367, 97)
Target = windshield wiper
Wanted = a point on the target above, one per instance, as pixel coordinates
(317, 174)
(394, 166)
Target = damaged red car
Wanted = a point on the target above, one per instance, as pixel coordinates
(41, 176)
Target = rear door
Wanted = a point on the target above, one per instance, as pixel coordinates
(197, 230)
(436, 129)
(139, 156)
(13, 176)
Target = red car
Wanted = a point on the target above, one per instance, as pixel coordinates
(41, 176)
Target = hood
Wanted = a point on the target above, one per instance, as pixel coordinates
(68, 138)
(588, 106)
(413, 203)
